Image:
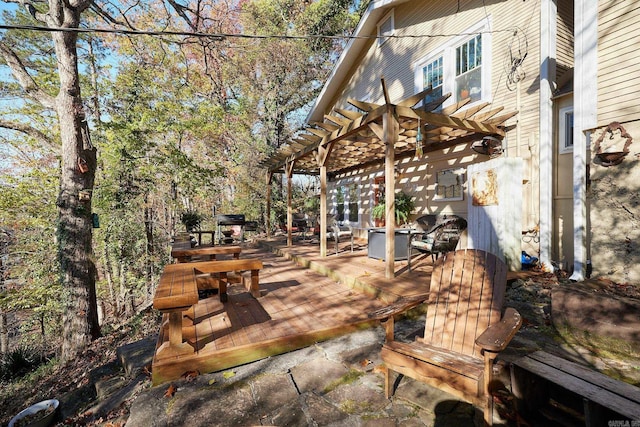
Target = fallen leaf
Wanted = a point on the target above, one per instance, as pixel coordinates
(212, 381)
(229, 374)
(379, 369)
(365, 363)
(171, 390)
(190, 375)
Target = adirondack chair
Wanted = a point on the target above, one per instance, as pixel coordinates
(464, 331)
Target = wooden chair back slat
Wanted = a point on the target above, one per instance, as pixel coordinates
(466, 296)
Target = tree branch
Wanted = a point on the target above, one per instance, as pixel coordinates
(27, 130)
(25, 80)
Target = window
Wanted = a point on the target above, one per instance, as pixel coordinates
(432, 75)
(469, 69)
(386, 27)
(339, 204)
(353, 203)
(347, 203)
(565, 130)
(449, 184)
(458, 67)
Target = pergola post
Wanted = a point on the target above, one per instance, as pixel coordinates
(321, 159)
(268, 218)
(390, 130)
(289, 172)
(323, 211)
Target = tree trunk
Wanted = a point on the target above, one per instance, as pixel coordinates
(4, 330)
(80, 315)
(148, 227)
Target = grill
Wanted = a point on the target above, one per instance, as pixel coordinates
(231, 219)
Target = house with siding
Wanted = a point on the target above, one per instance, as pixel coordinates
(568, 69)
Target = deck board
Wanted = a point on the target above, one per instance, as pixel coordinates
(298, 307)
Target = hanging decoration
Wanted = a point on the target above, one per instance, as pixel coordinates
(419, 151)
(95, 220)
(82, 165)
(609, 157)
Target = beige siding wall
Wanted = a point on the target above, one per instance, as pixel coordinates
(564, 47)
(395, 61)
(562, 250)
(618, 61)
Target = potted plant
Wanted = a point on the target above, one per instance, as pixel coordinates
(191, 220)
(403, 207)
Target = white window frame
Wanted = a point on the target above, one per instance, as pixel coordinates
(448, 53)
(384, 36)
(563, 145)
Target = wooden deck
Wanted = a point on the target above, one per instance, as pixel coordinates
(298, 306)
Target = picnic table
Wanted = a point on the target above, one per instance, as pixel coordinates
(184, 252)
(177, 293)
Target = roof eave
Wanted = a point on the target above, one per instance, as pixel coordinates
(366, 26)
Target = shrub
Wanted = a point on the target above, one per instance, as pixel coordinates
(19, 362)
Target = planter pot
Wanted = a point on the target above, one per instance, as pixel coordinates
(39, 415)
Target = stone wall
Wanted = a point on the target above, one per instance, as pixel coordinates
(614, 215)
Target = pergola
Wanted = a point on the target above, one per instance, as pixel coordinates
(347, 139)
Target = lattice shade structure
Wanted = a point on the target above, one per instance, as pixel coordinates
(354, 135)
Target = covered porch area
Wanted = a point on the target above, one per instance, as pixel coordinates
(366, 134)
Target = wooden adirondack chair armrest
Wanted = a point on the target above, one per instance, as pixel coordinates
(401, 305)
(497, 336)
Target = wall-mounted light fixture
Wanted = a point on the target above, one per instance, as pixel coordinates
(489, 146)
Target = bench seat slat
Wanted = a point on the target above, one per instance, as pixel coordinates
(596, 387)
(177, 289)
(461, 364)
(618, 387)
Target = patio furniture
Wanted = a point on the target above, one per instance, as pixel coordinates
(377, 243)
(336, 231)
(435, 234)
(229, 220)
(543, 383)
(464, 331)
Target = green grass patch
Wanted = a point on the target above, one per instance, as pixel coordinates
(347, 378)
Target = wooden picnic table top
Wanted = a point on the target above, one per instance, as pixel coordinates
(207, 267)
(182, 250)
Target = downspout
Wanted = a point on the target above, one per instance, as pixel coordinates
(585, 100)
(548, 19)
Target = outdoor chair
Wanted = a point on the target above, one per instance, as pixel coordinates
(435, 234)
(336, 231)
(465, 329)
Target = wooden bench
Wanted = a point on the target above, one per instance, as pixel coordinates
(548, 386)
(184, 254)
(176, 293)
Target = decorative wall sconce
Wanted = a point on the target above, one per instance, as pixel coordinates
(612, 158)
(489, 146)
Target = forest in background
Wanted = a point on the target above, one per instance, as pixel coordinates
(176, 111)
